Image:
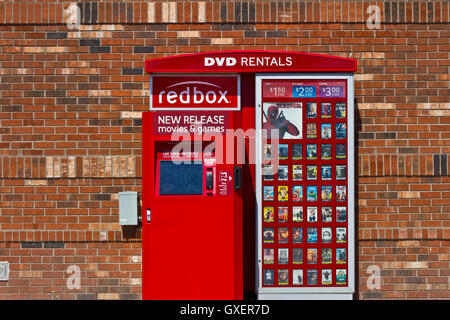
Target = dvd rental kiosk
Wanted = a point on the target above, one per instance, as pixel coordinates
(248, 177)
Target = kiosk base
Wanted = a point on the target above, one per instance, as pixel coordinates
(305, 296)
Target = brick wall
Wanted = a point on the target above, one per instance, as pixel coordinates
(70, 123)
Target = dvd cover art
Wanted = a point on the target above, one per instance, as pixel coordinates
(268, 277)
(297, 214)
(283, 214)
(268, 235)
(326, 193)
(327, 256)
(341, 276)
(311, 110)
(297, 255)
(268, 255)
(268, 213)
(283, 235)
(341, 193)
(326, 110)
(341, 214)
(297, 172)
(326, 152)
(341, 130)
(311, 131)
(311, 277)
(284, 117)
(297, 151)
(312, 214)
(283, 277)
(311, 172)
(341, 110)
(326, 235)
(311, 193)
(326, 172)
(297, 277)
(311, 151)
(283, 151)
(327, 214)
(297, 235)
(283, 255)
(341, 255)
(341, 172)
(311, 256)
(341, 235)
(283, 173)
(283, 193)
(326, 276)
(341, 151)
(267, 172)
(267, 152)
(268, 193)
(312, 235)
(325, 130)
(297, 193)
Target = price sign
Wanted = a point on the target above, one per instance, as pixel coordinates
(277, 90)
(304, 92)
(331, 91)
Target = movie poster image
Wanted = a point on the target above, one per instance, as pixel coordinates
(267, 152)
(341, 255)
(311, 193)
(341, 151)
(284, 117)
(311, 131)
(268, 277)
(297, 277)
(341, 193)
(341, 276)
(326, 235)
(327, 276)
(341, 110)
(311, 277)
(283, 255)
(283, 193)
(326, 152)
(311, 151)
(327, 214)
(312, 214)
(311, 235)
(283, 213)
(283, 173)
(268, 214)
(283, 151)
(268, 193)
(268, 255)
(297, 172)
(297, 151)
(311, 172)
(311, 256)
(297, 255)
(297, 235)
(327, 256)
(267, 172)
(325, 110)
(341, 235)
(311, 110)
(341, 214)
(297, 214)
(283, 277)
(341, 130)
(326, 193)
(326, 172)
(297, 193)
(341, 172)
(325, 130)
(268, 235)
(283, 235)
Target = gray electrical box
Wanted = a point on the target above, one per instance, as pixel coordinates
(4, 270)
(128, 208)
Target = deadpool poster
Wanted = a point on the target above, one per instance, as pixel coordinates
(284, 117)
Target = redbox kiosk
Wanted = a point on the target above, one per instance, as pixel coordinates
(248, 176)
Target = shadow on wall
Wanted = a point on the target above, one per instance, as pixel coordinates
(134, 232)
(357, 126)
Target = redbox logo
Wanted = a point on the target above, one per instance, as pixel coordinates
(194, 92)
